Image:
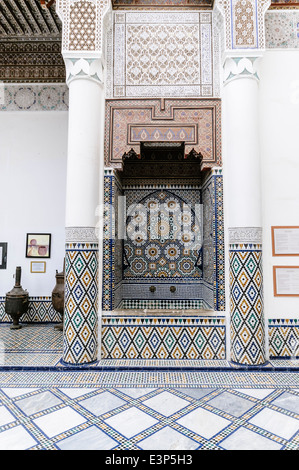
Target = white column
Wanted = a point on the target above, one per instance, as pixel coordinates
(84, 186)
(241, 132)
(244, 213)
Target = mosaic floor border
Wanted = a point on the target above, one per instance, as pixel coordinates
(144, 379)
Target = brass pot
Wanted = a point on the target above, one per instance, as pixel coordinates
(17, 301)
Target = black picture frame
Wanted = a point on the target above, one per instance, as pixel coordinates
(3, 256)
(41, 248)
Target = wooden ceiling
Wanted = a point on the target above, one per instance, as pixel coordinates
(27, 19)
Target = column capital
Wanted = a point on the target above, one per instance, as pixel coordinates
(244, 23)
(245, 66)
(87, 67)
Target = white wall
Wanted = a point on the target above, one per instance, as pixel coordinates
(279, 127)
(33, 151)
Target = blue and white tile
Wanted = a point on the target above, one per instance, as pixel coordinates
(136, 392)
(92, 438)
(131, 422)
(287, 401)
(76, 392)
(102, 403)
(37, 403)
(16, 438)
(166, 403)
(204, 423)
(259, 393)
(5, 416)
(169, 439)
(59, 421)
(276, 423)
(231, 404)
(244, 439)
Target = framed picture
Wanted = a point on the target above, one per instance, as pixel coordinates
(285, 241)
(286, 281)
(3, 255)
(38, 267)
(38, 245)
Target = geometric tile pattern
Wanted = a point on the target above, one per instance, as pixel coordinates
(165, 245)
(33, 346)
(215, 287)
(213, 238)
(163, 338)
(108, 242)
(247, 319)
(283, 338)
(40, 310)
(90, 417)
(81, 303)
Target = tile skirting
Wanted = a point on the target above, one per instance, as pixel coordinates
(283, 338)
(40, 310)
(163, 337)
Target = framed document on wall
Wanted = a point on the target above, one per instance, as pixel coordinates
(286, 281)
(3, 255)
(285, 241)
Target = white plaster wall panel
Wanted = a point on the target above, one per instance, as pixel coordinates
(32, 193)
(279, 110)
(161, 54)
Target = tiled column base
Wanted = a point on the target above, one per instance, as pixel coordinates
(81, 303)
(247, 319)
(161, 337)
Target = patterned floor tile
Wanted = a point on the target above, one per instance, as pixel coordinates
(5, 416)
(259, 393)
(168, 438)
(276, 423)
(197, 393)
(102, 403)
(232, 404)
(166, 403)
(203, 422)
(288, 401)
(76, 392)
(59, 421)
(16, 438)
(16, 392)
(40, 402)
(88, 439)
(205, 417)
(131, 422)
(244, 439)
(136, 392)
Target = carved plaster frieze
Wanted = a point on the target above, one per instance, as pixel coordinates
(239, 235)
(244, 23)
(82, 24)
(81, 235)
